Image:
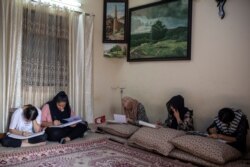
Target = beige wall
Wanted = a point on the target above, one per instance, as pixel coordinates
(217, 75)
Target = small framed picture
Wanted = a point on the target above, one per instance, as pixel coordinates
(115, 50)
(115, 21)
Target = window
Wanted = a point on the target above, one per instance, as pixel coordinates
(45, 49)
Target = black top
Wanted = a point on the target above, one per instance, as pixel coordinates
(56, 114)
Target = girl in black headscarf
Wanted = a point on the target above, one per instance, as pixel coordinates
(53, 114)
(179, 117)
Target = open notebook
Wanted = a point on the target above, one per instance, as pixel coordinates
(204, 134)
(25, 137)
(198, 133)
(118, 119)
(68, 122)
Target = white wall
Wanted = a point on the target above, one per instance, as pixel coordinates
(217, 75)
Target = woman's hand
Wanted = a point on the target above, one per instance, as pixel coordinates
(129, 120)
(159, 126)
(56, 122)
(176, 114)
(26, 133)
(212, 130)
(72, 126)
(159, 123)
(216, 136)
(36, 126)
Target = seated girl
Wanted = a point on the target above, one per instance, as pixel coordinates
(24, 122)
(53, 113)
(179, 116)
(230, 126)
(134, 110)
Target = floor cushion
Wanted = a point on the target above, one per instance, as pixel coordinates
(121, 130)
(184, 156)
(155, 139)
(206, 148)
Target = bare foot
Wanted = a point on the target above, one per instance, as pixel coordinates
(67, 138)
(64, 140)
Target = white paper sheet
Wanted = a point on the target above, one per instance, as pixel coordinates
(147, 124)
(120, 118)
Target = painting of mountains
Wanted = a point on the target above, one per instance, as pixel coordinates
(160, 31)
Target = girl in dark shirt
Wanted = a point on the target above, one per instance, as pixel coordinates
(54, 113)
(230, 126)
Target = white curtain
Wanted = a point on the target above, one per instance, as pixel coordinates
(64, 62)
(80, 65)
(45, 65)
(10, 57)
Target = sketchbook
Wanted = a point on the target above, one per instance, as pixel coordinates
(68, 122)
(118, 119)
(24, 137)
(198, 133)
(204, 134)
(147, 124)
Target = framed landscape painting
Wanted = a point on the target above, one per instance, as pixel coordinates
(115, 50)
(115, 21)
(160, 31)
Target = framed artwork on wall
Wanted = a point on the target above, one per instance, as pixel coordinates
(115, 50)
(160, 31)
(115, 21)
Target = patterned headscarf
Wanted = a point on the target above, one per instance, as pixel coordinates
(130, 107)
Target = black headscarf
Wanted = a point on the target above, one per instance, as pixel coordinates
(56, 114)
(176, 102)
